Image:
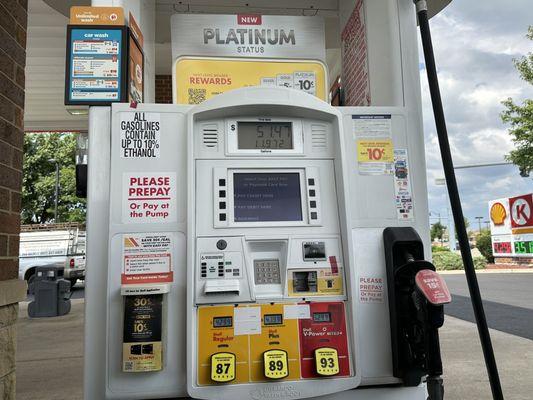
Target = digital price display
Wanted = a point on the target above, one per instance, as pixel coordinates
(264, 135)
(222, 322)
(502, 248)
(273, 319)
(523, 247)
(322, 317)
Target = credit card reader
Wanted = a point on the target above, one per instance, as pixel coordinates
(271, 286)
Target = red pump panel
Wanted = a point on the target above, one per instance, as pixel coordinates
(325, 328)
(433, 287)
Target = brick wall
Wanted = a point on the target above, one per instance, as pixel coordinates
(354, 59)
(13, 23)
(163, 88)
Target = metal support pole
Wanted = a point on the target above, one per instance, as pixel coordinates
(455, 201)
(56, 199)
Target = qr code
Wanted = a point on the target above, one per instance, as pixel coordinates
(128, 366)
(196, 96)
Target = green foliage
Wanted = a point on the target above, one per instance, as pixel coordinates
(448, 261)
(520, 117)
(437, 230)
(38, 182)
(438, 249)
(484, 245)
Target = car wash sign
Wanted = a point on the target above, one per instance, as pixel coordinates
(248, 35)
(511, 226)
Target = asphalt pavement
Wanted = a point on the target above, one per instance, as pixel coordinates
(507, 300)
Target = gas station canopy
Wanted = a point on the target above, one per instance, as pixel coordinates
(46, 47)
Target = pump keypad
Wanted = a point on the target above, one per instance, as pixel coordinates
(267, 272)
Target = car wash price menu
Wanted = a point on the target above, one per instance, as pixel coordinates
(94, 66)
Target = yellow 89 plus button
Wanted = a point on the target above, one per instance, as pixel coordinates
(326, 361)
(223, 367)
(276, 364)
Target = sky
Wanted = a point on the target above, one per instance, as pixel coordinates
(475, 43)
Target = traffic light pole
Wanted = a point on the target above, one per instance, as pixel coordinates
(455, 201)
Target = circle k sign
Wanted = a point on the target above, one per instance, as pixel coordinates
(521, 211)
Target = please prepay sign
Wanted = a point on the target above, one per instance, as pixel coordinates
(149, 197)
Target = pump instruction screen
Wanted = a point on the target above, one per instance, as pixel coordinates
(262, 197)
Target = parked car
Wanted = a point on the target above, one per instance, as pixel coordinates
(59, 245)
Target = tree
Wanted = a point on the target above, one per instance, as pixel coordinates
(38, 182)
(484, 245)
(520, 118)
(437, 230)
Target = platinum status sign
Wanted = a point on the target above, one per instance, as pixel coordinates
(248, 35)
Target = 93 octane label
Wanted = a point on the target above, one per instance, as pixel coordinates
(327, 361)
(276, 364)
(223, 367)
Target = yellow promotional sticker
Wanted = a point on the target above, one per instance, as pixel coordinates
(327, 361)
(199, 79)
(380, 150)
(276, 364)
(223, 367)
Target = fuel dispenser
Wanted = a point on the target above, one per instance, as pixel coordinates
(271, 282)
(263, 244)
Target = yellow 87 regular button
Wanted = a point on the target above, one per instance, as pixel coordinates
(276, 364)
(326, 361)
(223, 367)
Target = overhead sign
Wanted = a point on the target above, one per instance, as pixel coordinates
(198, 79)
(248, 35)
(511, 226)
(95, 65)
(82, 15)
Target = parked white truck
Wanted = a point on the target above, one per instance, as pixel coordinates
(60, 245)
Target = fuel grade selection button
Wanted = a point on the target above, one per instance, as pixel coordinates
(223, 367)
(276, 364)
(326, 361)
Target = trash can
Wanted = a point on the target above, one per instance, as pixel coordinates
(51, 293)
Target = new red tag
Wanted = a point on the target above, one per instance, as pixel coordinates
(333, 265)
(433, 287)
(248, 19)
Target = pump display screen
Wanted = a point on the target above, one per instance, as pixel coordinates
(322, 317)
(261, 197)
(264, 135)
(273, 319)
(222, 322)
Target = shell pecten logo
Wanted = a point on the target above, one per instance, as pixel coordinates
(498, 213)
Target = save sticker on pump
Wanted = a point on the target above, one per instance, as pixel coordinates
(375, 157)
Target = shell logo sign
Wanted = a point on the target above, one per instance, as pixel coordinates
(498, 213)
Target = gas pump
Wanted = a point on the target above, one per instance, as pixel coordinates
(263, 244)
(271, 283)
